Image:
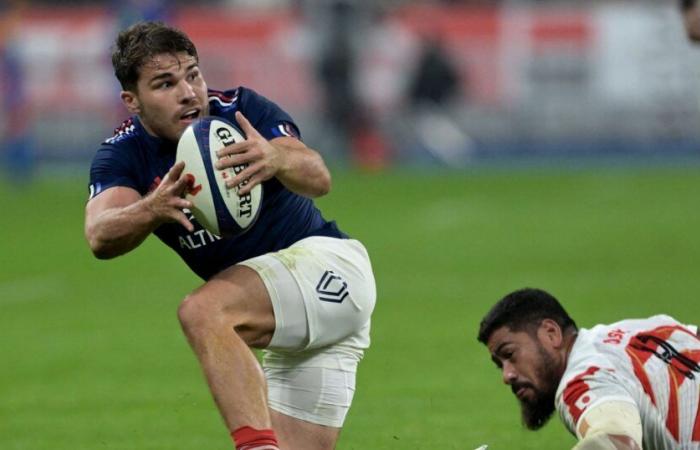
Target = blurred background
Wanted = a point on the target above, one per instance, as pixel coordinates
(377, 84)
(476, 147)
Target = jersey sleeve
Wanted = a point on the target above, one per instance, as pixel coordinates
(268, 118)
(692, 328)
(585, 388)
(111, 168)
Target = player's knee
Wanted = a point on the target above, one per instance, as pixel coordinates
(198, 317)
(196, 314)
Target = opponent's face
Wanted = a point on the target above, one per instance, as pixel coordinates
(171, 93)
(530, 368)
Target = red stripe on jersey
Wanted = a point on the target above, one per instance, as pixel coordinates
(680, 367)
(695, 356)
(123, 127)
(696, 426)
(640, 349)
(223, 97)
(638, 361)
(672, 416)
(575, 389)
(640, 352)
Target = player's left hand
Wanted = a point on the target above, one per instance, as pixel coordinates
(263, 158)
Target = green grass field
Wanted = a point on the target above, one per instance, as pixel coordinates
(93, 357)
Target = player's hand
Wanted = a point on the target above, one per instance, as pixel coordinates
(264, 159)
(166, 202)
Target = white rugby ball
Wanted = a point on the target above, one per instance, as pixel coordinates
(218, 208)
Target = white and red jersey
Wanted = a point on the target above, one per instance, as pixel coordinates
(652, 363)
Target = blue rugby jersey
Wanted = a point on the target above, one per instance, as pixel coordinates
(133, 158)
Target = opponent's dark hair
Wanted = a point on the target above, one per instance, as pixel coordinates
(142, 41)
(687, 4)
(524, 309)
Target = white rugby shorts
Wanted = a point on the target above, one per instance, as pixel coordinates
(323, 293)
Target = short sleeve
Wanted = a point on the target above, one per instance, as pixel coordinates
(266, 116)
(109, 169)
(585, 389)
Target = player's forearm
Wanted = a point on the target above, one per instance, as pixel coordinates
(119, 230)
(304, 173)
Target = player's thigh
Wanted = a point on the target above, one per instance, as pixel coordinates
(235, 297)
(322, 290)
(340, 290)
(323, 293)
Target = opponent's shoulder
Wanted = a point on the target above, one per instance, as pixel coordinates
(662, 324)
(587, 359)
(586, 383)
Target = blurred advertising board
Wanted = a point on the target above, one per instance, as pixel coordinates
(537, 73)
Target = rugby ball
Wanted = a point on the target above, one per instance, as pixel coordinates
(219, 209)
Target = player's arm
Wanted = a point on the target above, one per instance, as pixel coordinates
(613, 425)
(119, 219)
(299, 168)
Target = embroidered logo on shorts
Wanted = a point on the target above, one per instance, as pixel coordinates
(332, 288)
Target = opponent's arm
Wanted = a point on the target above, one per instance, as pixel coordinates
(613, 425)
(299, 168)
(119, 219)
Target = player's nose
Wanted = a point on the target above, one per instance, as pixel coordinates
(508, 373)
(186, 92)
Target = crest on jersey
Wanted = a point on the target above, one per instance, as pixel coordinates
(332, 288)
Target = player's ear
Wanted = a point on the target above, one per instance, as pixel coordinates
(131, 101)
(551, 333)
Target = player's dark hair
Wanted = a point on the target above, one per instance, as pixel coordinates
(687, 4)
(142, 41)
(524, 310)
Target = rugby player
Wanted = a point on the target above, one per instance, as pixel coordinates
(629, 385)
(294, 285)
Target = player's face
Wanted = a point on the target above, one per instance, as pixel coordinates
(171, 93)
(530, 370)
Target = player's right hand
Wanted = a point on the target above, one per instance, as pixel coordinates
(166, 202)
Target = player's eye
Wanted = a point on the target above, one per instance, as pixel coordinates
(497, 362)
(194, 75)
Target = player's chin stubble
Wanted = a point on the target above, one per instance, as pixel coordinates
(536, 412)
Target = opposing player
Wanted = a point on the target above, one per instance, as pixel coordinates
(628, 385)
(294, 284)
